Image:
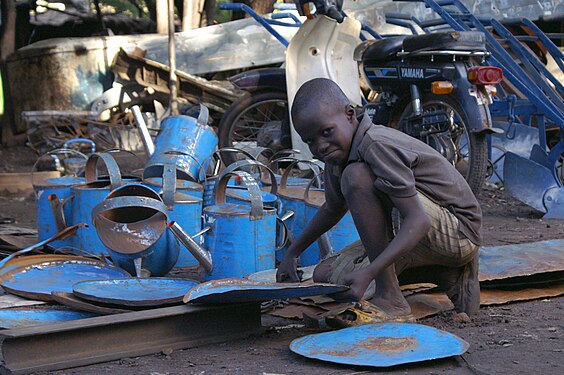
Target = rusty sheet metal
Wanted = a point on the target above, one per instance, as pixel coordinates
(501, 262)
(37, 281)
(424, 305)
(15, 318)
(242, 290)
(380, 345)
(106, 338)
(70, 300)
(499, 296)
(154, 291)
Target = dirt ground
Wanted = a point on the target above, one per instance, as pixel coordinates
(517, 338)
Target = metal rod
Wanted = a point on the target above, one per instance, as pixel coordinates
(143, 130)
(172, 60)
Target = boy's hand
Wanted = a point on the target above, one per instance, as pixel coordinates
(357, 282)
(288, 270)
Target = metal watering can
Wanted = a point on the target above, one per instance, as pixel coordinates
(241, 239)
(131, 223)
(184, 141)
(52, 194)
(338, 237)
(86, 196)
(292, 198)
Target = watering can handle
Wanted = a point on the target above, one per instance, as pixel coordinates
(169, 184)
(54, 154)
(128, 201)
(244, 163)
(203, 116)
(112, 166)
(315, 178)
(285, 232)
(80, 140)
(217, 154)
(250, 184)
(311, 163)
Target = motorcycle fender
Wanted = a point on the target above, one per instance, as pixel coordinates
(261, 79)
(473, 102)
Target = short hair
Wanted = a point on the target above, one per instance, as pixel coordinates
(320, 92)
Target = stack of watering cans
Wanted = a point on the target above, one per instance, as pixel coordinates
(71, 200)
(183, 149)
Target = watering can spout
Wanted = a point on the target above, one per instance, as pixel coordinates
(57, 206)
(203, 256)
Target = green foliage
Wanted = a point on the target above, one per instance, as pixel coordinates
(222, 16)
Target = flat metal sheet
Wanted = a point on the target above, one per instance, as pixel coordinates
(380, 345)
(502, 262)
(242, 290)
(37, 281)
(70, 300)
(29, 260)
(154, 291)
(16, 318)
(269, 276)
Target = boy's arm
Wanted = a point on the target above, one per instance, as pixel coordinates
(414, 226)
(321, 222)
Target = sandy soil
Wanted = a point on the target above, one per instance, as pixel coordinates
(518, 338)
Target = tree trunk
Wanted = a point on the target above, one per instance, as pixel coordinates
(8, 30)
(162, 16)
(192, 14)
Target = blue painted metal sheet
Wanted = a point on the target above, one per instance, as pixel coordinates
(155, 291)
(502, 262)
(187, 212)
(18, 318)
(380, 345)
(37, 281)
(242, 290)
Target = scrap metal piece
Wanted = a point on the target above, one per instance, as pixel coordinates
(37, 281)
(380, 345)
(509, 261)
(106, 338)
(153, 291)
(241, 290)
(16, 318)
(70, 300)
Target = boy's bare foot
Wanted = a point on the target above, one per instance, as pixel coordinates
(395, 306)
(462, 287)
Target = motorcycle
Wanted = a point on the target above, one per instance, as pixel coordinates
(430, 86)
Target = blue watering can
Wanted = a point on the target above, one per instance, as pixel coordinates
(131, 223)
(241, 239)
(185, 142)
(52, 194)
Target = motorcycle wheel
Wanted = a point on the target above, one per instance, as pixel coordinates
(256, 120)
(466, 150)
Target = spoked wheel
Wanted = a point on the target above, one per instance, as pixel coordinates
(466, 150)
(257, 120)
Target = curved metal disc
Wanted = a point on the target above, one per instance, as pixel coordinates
(241, 290)
(269, 276)
(16, 318)
(154, 291)
(29, 260)
(37, 281)
(380, 345)
(70, 300)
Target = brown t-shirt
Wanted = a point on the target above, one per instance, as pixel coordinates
(404, 165)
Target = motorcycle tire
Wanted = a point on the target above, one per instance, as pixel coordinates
(471, 148)
(257, 119)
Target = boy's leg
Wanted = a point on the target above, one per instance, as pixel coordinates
(371, 215)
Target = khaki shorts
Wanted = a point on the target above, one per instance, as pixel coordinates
(443, 245)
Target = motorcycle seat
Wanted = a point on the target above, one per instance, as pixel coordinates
(379, 49)
(470, 41)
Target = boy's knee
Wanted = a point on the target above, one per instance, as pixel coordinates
(357, 177)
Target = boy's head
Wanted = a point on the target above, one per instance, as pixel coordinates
(325, 120)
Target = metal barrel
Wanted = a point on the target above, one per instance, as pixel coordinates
(131, 223)
(242, 237)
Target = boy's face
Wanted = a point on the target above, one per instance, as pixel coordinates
(328, 134)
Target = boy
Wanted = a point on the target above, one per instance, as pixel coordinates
(377, 173)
